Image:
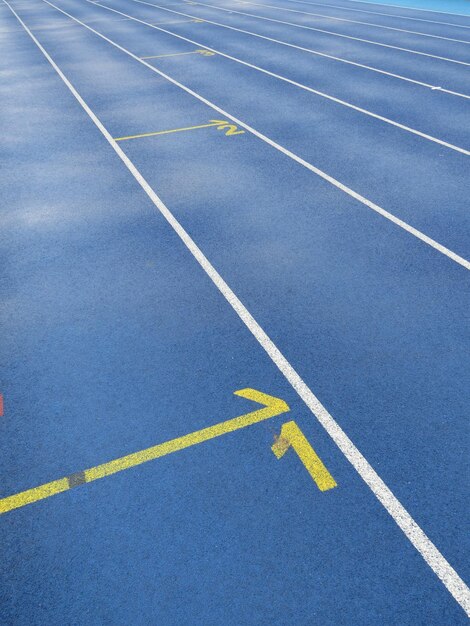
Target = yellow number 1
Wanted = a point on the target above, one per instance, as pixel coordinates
(292, 437)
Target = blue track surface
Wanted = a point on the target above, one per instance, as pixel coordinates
(115, 339)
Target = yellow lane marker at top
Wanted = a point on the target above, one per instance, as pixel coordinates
(230, 129)
(205, 53)
(292, 437)
(196, 21)
(272, 407)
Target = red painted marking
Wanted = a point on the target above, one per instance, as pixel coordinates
(1, 405)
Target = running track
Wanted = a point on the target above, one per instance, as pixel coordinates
(304, 231)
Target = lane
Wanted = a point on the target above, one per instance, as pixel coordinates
(414, 15)
(440, 32)
(440, 47)
(353, 148)
(385, 347)
(375, 19)
(446, 8)
(94, 272)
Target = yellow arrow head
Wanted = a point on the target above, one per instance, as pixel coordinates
(275, 405)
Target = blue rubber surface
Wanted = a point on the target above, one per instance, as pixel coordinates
(114, 339)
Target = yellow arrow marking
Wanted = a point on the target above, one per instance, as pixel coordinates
(272, 407)
(292, 436)
(230, 129)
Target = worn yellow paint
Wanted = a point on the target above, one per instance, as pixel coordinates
(197, 21)
(292, 436)
(272, 407)
(207, 53)
(173, 54)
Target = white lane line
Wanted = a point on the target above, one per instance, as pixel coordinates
(330, 32)
(316, 92)
(323, 54)
(403, 519)
(342, 19)
(336, 183)
(399, 17)
(399, 6)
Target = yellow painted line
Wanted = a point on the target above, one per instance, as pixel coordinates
(207, 53)
(163, 132)
(230, 129)
(272, 407)
(197, 21)
(292, 436)
(175, 54)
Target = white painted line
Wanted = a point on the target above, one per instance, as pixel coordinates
(342, 19)
(368, 203)
(399, 6)
(330, 32)
(316, 52)
(398, 17)
(316, 92)
(403, 519)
